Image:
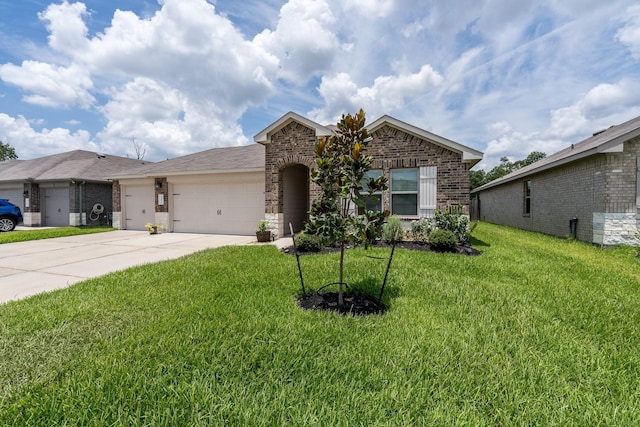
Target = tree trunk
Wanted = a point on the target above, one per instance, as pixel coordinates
(341, 290)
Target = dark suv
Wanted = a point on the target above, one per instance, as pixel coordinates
(10, 215)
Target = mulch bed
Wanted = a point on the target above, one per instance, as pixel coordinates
(413, 246)
(357, 304)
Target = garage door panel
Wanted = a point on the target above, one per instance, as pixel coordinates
(56, 207)
(14, 195)
(139, 207)
(227, 208)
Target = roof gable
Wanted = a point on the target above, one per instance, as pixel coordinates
(264, 137)
(469, 155)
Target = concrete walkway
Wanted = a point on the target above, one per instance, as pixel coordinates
(29, 268)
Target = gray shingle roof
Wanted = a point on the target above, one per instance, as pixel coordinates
(609, 140)
(77, 164)
(225, 159)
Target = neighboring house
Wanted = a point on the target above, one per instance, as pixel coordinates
(63, 189)
(590, 190)
(220, 191)
(228, 190)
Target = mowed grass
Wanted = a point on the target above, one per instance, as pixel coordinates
(49, 233)
(536, 331)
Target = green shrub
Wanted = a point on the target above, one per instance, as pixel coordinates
(443, 241)
(393, 230)
(421, 229)
(308, 242)
(457, 223)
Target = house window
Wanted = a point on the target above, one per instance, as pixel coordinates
(404, 192)
(372, 202)
(527, 197)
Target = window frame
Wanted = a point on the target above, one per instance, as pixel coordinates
(415, 192)
(365, 189)
(526, 195)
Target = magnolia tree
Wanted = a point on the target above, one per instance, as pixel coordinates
(339, 216)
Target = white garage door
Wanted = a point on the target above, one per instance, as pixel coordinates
(139, 206)
(56, 207)
(218, 208)
(14, 195)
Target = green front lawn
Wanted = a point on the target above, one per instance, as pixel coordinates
(536, 331)
(49, 233)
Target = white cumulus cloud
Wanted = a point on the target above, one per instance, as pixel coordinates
(30, 143)
(303, 40)
(386, 95)
(50, 85)
(629, 35)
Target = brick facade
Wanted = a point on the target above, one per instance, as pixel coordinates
(32, 215)
(557, 196)
(161, 191)
(115, 196)
(391, 148)
(601, 191)
(291, 145)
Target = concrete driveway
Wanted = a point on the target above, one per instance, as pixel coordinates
(29, 268)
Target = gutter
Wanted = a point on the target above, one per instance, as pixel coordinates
(614, 145)
(199, 172)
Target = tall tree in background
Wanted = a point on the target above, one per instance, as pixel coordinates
(7, 152)
(480, 177)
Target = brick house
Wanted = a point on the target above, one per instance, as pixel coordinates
(590, 190)
(63, 189)
(425, 171)
(228, 190)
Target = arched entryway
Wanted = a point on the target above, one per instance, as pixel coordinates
(295, 197)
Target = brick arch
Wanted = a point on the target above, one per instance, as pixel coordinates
(294, 159)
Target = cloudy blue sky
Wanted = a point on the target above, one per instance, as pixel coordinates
(179, 76)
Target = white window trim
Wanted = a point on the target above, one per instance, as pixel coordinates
(416, 192)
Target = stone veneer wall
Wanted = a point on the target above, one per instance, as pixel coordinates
(615, 229)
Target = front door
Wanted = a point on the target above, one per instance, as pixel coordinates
(295, 182)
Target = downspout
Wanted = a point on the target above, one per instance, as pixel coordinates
(81, 204)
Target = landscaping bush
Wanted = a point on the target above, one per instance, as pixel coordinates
(457, 223)
(393, 230)
(421, 229)
(308, 242)
(443, 241)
